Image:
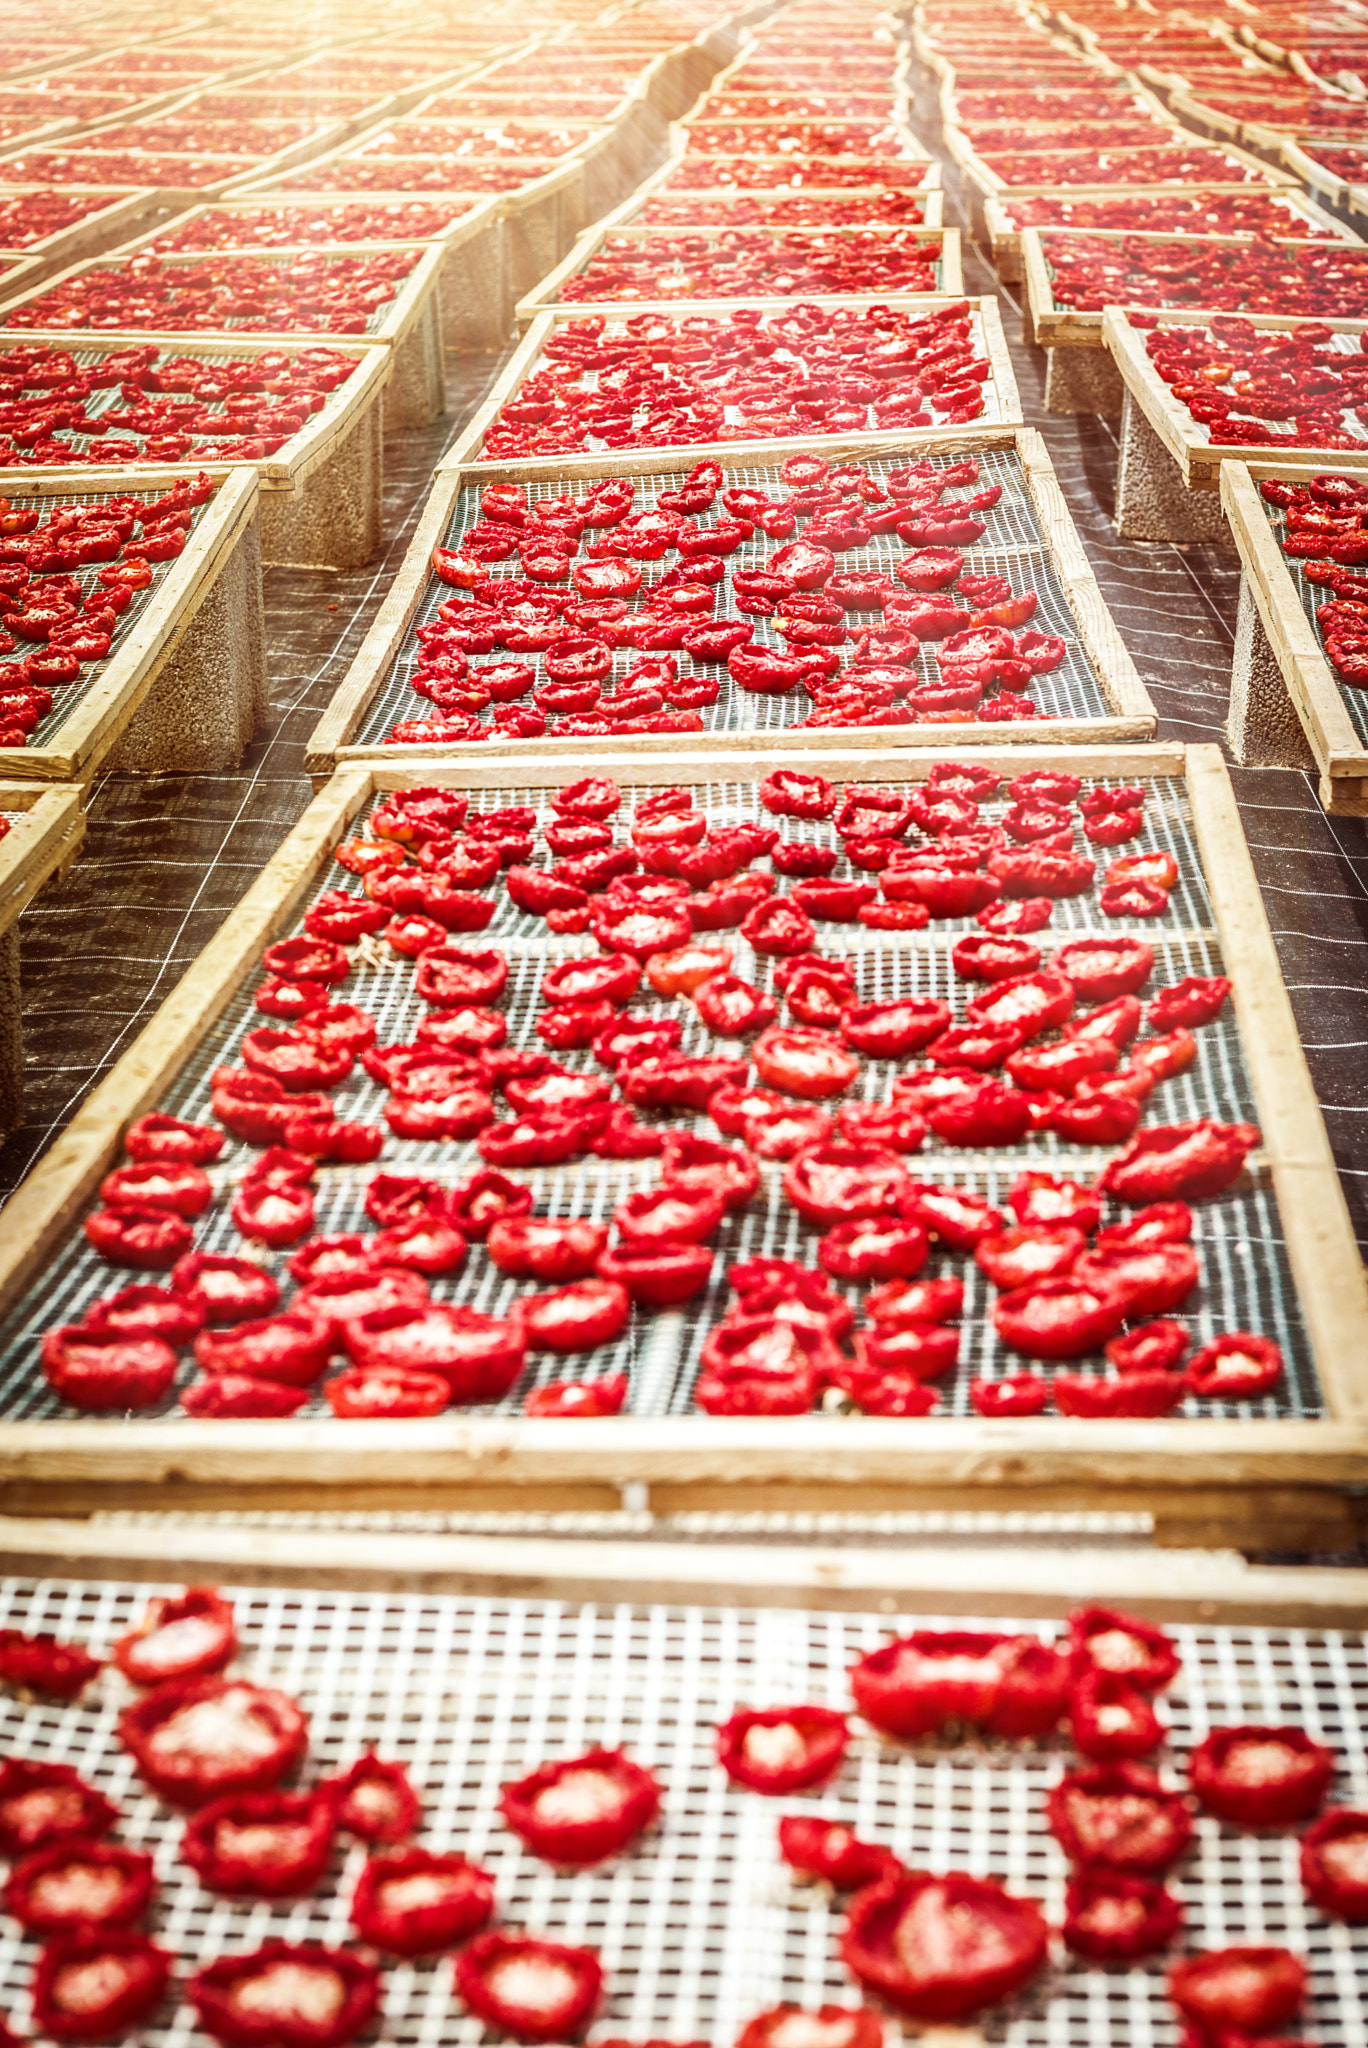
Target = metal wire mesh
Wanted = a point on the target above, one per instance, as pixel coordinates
(1012, 547)
(1246, 1280)
(700, 1926)
(1355, 702)
(68, 696)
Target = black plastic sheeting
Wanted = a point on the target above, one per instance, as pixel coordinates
(166, 859)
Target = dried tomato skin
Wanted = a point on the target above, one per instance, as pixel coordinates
(1261, 1802)
(148, 1971)
(289, 1874)
(1337, 1892)
(822, 1732)
(1126, 1784)
(388, 1818)
(132, 1653)
(1263, 1988)
(1153, 1920)
(133, 1868)
(577, 1843)
(827, 1850)
(74, 1812)
(479, 1963)
(873, 1951)
(191, 1782)
(221, 2015)
(430, 1927)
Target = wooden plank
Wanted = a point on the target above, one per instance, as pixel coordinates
(1314, 688)
(1132, 713)
(32, 851)
(1210, 1474)
(102, 711)
(1199, 462)
(1039, 1583)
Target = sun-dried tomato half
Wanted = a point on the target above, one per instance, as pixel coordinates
(104, 1370)
(778, 1750)
(1063, 1318)
(762, 1364)
(829, 1184)
(830, 1852)
(535, 1990)
(833, 2026)
(1334, 1864)
(874, 1250)
(686, 969)
(375, 1800)
(1110, 1718)
(956, 1216)
(168, 1139)
(808, 1063)
(581, 1811)
(582, 1399)
(578, 1317)
(478, 1356)
(94, 1984)
(287, 1995)
(1112, 1919)
(48, 1805)
(1179, 1161)
(675, 1081)
(419, 1904)
(1230, 1994)
(183, 1636)
(1012, 1686)
(1102, 969)
(199, 1739)
(1118, 1818)
(1150, 1347)
(905, 1351)
(1030, 1253)
(671, 1210)
(261, 1845)
(1197, 999)
(80, 1884)
(1017, 1393)
(138, 1235)
(538, 1248)
(943, 1948)
(1237, 1366)
(1261, 1777)
(614, 977)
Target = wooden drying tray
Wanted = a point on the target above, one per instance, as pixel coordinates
(1288, 707)
(526, 357)
(1028, 1582)
(1130, 106)
(1081, 376)
(1003, 234)
(1132, 716)
(781, 169)
(1126, 99)
(410, 326)
(184, 687)
(235, 168)
(40, 846)
(627, 215)
(1168, 473)
(990, 184)
(592, 244)
(1250, 1482)
(475, 300)
(117, 212)
(1323, 184)
(610, 158)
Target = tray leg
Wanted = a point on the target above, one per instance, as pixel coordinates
(1152, 501)
(210, 694)
(11, 1034)
(1082, 380)
(1264, 730)
(335, 518)
(477, 305)
(416, 392)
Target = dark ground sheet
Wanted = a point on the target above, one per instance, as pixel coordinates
(166, 859)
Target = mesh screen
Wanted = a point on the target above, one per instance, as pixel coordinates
(700, 1926)
(1012, 546)
(1355, 702)
(1246, 1284)
(67, 696)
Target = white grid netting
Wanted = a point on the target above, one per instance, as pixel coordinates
(700, 1927)
(1012, 546)
(1246, 1280)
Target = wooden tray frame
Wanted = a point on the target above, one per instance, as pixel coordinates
(196, 650)
(608, 159)
(1134, 716)
(411, 327)
(626, 215)
(1243, 1482)
(42, 850)
(126, 212)
(1004, 237)
(990, 184)
(321, 494)
(1031, 1582)
(325, 142)
(1200, 465)
(466, 449)
(591, 242)
(1314, 691)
